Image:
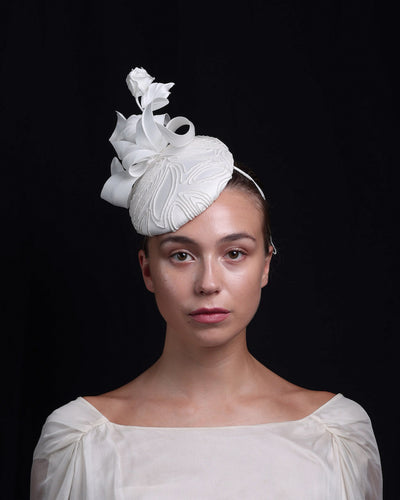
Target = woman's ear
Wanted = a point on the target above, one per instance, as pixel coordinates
(145, 267)
(267, 262)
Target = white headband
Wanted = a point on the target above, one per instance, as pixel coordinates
(165, 179)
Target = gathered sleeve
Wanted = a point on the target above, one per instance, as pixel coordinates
(60, 458)
(354, 451)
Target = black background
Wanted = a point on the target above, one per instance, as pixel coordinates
(305, 94)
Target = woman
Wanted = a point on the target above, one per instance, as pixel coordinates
(207, 420)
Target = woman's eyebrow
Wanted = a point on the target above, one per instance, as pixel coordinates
(237, 236)
(177, 239)
(185, 240)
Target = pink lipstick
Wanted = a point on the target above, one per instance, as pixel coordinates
(212, 315)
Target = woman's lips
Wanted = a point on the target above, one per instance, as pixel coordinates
(213, 315)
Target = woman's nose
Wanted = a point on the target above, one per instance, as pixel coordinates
(208, 279)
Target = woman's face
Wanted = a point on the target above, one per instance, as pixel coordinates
(207, 276)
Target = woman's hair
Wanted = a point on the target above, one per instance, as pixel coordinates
(239, 181)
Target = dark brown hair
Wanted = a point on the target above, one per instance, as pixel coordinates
(239, 181)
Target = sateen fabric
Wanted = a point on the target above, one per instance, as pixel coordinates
(331, 454)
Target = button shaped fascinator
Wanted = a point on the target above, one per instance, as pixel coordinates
(164, 178)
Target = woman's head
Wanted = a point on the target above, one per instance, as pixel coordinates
(208, 242)
(207, 276)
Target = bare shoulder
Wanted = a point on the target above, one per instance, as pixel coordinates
(117, 403)
(310, 400)
(287, 401)
(106, 404)
(299, 402)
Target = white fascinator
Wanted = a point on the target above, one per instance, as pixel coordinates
(163, 177)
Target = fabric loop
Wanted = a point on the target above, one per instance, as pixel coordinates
(178, 140)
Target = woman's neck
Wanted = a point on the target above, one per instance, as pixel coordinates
(206, 372)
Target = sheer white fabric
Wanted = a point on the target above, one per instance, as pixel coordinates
(330, 454)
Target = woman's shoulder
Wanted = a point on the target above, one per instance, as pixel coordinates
(66, 425)
(341, 410)
(78, 413)
(348, 425)
(60, 456)
(330, 408)
(297, 403)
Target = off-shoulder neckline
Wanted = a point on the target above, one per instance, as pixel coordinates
(220, 427)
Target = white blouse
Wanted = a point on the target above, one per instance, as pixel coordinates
(329, 455)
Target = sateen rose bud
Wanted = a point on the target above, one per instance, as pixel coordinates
(138, 81)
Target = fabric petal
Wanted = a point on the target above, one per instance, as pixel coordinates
(117, 189)
(123, 148)
(136, 155)
(151, 129)
(156, 91)
(119, 128)
(116, 166)
(129, 133)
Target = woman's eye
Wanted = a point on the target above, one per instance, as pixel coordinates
(181, 256)
(235, 254)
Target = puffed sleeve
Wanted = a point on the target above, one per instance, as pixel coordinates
(59, 459)
(354, 450)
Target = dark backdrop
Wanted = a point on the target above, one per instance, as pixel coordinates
(304, 94)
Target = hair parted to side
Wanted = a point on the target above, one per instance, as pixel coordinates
(239, 181)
